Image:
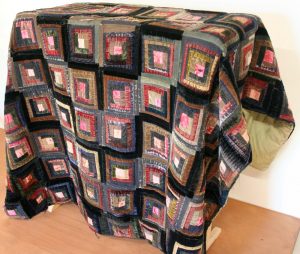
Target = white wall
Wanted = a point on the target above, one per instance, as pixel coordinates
(279, 187)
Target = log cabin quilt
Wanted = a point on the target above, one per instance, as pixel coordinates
(142, 116)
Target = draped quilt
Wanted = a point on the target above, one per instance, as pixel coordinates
(142, 116)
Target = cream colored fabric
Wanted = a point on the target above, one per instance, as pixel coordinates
(267, 135)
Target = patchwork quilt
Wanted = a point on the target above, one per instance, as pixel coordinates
(142, 116)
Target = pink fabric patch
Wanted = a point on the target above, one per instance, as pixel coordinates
(269, 56)
(30, 72)
(59, 195)
(199, 70)
(24, 34)
(19, 152)
(39, 199)
(158, 57)
(27, 179)
(254, 94)
(50, 141)
(83, 125)
(57, 167)
(51, 40)
(118, 50)
(117, 133)
(156, 179)
(184, 120)
(199, 221)
(40, 107)
(70, 147)
(8, 119)
(11, 212)
(81, 86)
(90, 221)
(81, 43)
(157, 143)
(176, 161)
(158, 102)
(122, 202)
(116, 94)
(155, 210)
(85, 162)
(64, 116)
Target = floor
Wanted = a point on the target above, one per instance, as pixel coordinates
(246, 229)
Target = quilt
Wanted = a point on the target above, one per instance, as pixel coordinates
(142, 116)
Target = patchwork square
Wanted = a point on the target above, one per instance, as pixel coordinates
(30, 73)
(48, 141)
(12, 117)
(119, 47)
(181, 161)
(38, 199)
(123, 9)
(228, 100)
(255, 91)
(264, 60)
(92, 191)
(94, 220)
(226, 34)
(56, 167)
(88, 162)
(117, 50)
(60, 193)
(40, 105)
(158, 55)
(120, 202)
(154, 175)
(84, 88)
(191, 220)
(245, 23)
(246, 57)
(82, 43)
(70, 143)
(24, 34)
(174, 202)
(199, 65)
(155, 98)
(59, 76)
(10, 86)
(180, 248)
(156, 141)
(65, 115)
(119, 171)
(188, 16)
(120, 228)
(52, 41)
(87, 124)
(154, 211)
(15, 210)
(19, 150)
(27, 179)
(120, 94)
(75, 178)
(160, 13)
(227, 174)
(188, 122)
(151, 234)
(119, 132)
